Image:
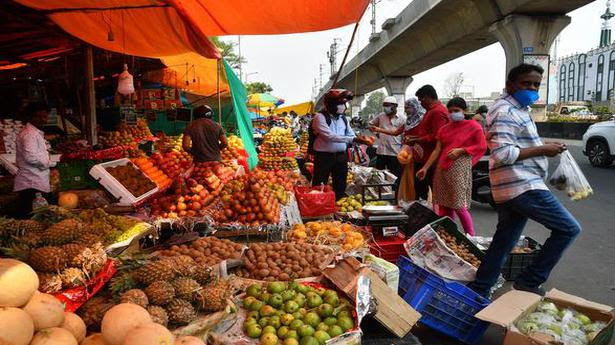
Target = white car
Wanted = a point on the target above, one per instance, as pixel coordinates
(599, 143)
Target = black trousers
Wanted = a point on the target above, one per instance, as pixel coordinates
(331, 164)
(422, 187)
(389, 162)
(26, 197)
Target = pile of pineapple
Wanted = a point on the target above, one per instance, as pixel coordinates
(64, 255)
(172, 289)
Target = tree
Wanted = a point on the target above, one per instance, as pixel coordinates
(258, 87)
(452, 84)
(373, 106)
(227, 50)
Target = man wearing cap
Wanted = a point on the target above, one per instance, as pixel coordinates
(204, 138)
(388, 145)
(330, 135)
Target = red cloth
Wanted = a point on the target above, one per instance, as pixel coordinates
(435, 117)
(467, 135)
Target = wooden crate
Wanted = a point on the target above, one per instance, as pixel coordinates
(393, 312)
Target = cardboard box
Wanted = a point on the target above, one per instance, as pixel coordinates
(393, 312)
(513, 305)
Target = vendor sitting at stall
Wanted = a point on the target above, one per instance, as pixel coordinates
(204, 138)
(32, 159)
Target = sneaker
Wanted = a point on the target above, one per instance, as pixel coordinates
(537, 290)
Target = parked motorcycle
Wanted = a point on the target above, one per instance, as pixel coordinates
(481, 185)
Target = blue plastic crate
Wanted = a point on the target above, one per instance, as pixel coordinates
(448, 307)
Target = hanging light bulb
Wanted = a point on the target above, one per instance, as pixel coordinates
(125, 84)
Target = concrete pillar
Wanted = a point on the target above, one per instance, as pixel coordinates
(356, 105)
(521, 35)
(396, 87)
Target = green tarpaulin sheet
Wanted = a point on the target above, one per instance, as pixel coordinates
(239, 97)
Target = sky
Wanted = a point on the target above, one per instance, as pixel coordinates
(290, 63)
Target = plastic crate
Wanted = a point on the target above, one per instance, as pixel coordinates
(451, 227)
(113, 186)
(388, 248)
(447, 307)
(418, 217)
(74, 174)
(517, 262)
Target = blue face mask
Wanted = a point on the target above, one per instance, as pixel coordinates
(526, 97)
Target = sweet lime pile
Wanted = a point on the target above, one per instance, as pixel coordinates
(295, 314)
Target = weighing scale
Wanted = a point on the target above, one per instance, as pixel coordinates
(385, 220)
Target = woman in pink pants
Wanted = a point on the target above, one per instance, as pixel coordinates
(461, 143)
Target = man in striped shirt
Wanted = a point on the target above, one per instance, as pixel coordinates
(518, 169)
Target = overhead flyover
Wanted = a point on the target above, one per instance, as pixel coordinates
(428, 33)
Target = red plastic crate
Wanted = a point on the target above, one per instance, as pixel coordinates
(388, 248)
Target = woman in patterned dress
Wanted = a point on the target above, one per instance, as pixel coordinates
(461, 143)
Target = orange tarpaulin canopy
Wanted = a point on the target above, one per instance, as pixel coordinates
(190, 72)
(205, 17)
(146, 28)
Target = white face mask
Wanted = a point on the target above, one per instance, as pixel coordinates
(389, 110)
(341, 109)
(457, 116)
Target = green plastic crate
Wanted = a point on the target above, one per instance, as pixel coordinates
(451, 227)
(75, 174)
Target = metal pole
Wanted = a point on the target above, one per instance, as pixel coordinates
(219, 96)
(90, 95)
(240, 67)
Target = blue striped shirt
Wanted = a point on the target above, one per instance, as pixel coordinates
(510, 128)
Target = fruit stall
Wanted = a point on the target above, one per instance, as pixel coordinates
(140, 245)
(156, 246)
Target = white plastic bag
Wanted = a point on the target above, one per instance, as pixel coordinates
(569, 177)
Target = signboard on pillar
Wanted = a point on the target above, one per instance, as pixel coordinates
(543, 61)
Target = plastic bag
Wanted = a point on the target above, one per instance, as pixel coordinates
(315, 201)
(359, 155)
(569, 177)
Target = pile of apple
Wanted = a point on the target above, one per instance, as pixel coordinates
(212, 174)
(303, 144)
(172, 163)
(169, 143)
(295, 314)
(188, 200)
(277, 150)
(234, 150)
(113, 139)
(140, 131)
(253, 205)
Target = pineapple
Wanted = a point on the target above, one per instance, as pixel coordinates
(93, 259)
(89, 239)
(160, 292)
(49, 282)
(31, 239)
(73, 251)
(213, 296)
(47, 259)
(180, 311)
(202, 274)
(21, 227)
(63, 232)
(92, 311)
(186, 288)
(72, 277)
(184, 265)
(154, 271)
(158, 314)
(135, 296)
